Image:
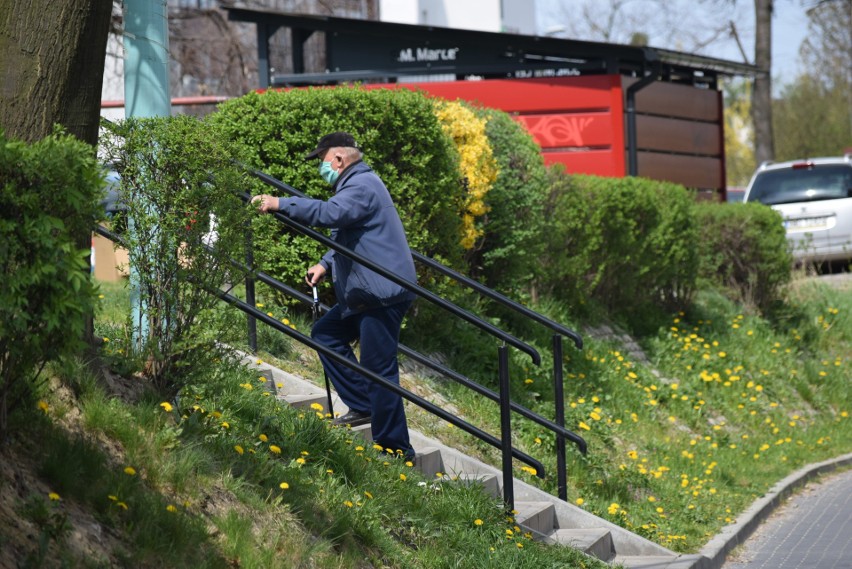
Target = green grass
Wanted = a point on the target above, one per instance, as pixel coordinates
(728, 404)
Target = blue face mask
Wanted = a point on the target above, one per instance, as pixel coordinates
(327, 173)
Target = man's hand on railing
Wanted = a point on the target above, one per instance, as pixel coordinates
(265, 203)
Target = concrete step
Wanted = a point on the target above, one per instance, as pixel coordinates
(545, 516)
(305, 400)
(489, 482)
(429, 462)
(596, 542)
(538, 517)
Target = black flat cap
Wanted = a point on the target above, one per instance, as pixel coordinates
(333, 140)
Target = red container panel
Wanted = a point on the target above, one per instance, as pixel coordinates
(594, 162)
(578, 121)
(580, 130)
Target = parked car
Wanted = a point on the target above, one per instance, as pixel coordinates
(734, 194)
(814, 197)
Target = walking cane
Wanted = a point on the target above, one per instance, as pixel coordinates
(315, 311)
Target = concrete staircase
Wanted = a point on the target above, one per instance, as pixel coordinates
(545, 516)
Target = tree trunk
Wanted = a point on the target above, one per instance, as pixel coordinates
(761, 108)
(53, 63)
(52, 70)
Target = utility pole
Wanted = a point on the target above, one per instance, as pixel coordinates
(146, 94)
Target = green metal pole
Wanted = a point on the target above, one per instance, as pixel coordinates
(146, 92)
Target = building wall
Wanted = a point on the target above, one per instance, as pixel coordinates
(515, 16)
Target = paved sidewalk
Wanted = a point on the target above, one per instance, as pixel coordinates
(812, 530)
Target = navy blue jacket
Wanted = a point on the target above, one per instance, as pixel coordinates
(363, 218)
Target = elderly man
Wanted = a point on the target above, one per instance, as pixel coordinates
(363, 218)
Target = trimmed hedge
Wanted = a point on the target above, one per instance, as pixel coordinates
(402, 141)
(512, 245)
(49, 199)
(625, 244)
(744, 252)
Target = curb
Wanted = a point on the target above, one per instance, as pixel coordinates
(714, 552)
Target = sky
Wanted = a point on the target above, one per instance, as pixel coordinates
(789, 29)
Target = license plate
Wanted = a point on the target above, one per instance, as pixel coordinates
(806, 223)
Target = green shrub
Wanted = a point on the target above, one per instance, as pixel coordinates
(402, 142)
(628, 245)
(49, 199)
(744, 251)
(513, 244)
(177, 175)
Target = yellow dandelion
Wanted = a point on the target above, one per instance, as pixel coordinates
(300, 460)
(171, 508)
(226, 425)
(43, 406)
(284, 486)
(239, 449)
(54, 497)
(121, 505)
(129, 470)
(167, 407)
(275, 449)
(403, 477)
(263, 438)
(368, 495)
(348, 503)
(579, 501)
(477, 522)
(316, 407)
(584, 426)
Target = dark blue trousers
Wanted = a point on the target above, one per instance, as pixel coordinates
(378, 330)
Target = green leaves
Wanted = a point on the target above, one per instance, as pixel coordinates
(744, 252)
(49, 194)
(627, 244)
(178, 179)
(402, 142)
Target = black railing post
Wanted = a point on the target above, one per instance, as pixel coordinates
(250, 296)
(559, 396)
(506, 427)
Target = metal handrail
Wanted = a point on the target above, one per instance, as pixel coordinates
(413, 287)
(556, 428)
(500, 298)
(558, 329)
(455, 275)
(311, 343)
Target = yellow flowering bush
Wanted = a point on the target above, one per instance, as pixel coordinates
(477, 164)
